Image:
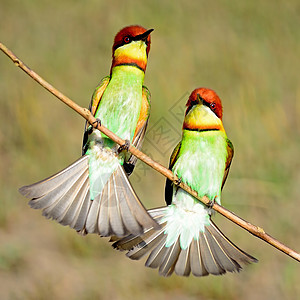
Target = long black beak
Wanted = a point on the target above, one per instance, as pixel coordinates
(143, 36)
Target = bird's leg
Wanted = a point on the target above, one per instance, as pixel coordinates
(125, 146)
(211, 203)
(177, 181)
(98, 122)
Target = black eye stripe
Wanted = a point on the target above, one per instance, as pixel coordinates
(122, 42)
(206, 103)
(193, 103)
(143, 36)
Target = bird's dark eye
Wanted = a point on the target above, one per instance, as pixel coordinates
(126, 39)
(212, 105)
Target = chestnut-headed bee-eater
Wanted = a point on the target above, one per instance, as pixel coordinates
(189, 241)
(93, 195)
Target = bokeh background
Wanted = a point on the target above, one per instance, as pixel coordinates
(247, 51)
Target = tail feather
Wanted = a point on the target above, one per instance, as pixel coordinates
(59, 208)
(125, 196)
(145, 245)
(167, 265)
(220, 254)
(92, 216)
(51, 183)
(115, 213)
(208, 258)
(157, 254)
(231, 249)
(138, 212)
(183, 267)
(196, 260)
(79, 221)
(209, 253)
(65, 197)
(72, 214)
(50, 198)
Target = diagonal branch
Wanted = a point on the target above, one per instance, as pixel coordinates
(85, 113)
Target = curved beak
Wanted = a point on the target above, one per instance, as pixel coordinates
(143, 36)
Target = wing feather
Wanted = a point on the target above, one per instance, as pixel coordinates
(169, 183)
(140, 130)
(230, 152)
(94, 104)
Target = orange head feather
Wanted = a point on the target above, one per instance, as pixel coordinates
(197, 116)
(127, 34)
(209, 98)
(131, 56)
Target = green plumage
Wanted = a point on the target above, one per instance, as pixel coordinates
(94, 195)
(119, 111)
(121, 101)
(201, 161)
(189, 241)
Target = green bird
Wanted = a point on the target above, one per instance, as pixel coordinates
(189, 241)
(94, 195)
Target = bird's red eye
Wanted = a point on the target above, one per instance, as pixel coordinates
(213, 105)
(126, 39)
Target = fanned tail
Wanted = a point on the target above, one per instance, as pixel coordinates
(117, 209)
(210, 253)
(65, 197)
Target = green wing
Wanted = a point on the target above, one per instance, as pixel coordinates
(169, 183)
(140, 130)
(96, 98)
(230, 152)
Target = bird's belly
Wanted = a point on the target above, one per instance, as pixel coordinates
(120, 107)
(202, 167)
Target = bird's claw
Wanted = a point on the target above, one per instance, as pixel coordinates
(211, 203)
(97, 122)
(177, 181)
(125, 146)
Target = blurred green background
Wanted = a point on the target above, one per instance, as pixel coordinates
(247, 51)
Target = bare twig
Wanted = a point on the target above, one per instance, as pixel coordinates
(255, 230)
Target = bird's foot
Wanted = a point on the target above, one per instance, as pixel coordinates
(211, 203)
(125, 146)
(177, 181)
(97, 122)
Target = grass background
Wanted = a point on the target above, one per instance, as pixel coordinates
(247, 51)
